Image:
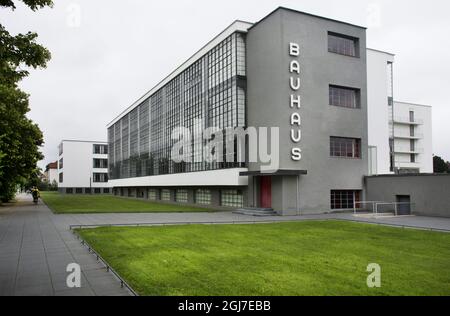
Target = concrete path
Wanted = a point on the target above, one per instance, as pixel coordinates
(35, 249)
(36, 246)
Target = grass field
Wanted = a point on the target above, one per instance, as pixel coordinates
(76, 204)
(298, 258)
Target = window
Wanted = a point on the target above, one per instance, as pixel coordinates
(97, 191)
(203, 197)
(61, 149)
(101, 149)
(152, 194)
(61, 163)
(342, 44)
(344, 97)
(413, 158)
(100, 163)
(100, 177)
(79, 191)
(232, 198)
(345, 147)
(69, 191)
(412, 145)
(165, 195)
(61, 177)
(411, 116)
(106, 190)
(87, 191)
(181, 196)
(344, 199)
(412, 131)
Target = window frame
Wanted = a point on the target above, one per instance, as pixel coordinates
(356, 144)
(357, 96)
(355, 40)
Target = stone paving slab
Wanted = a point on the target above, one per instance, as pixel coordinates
(35, 252)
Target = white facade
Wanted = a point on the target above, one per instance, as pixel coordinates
(413, 137)
(51, 175)
(397, 142)
(77, 172)
(379, 92)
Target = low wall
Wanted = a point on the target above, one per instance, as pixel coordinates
(430, 193)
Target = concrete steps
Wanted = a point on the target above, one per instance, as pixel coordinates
(251, 211)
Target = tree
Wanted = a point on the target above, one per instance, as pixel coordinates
(440, 165)
(20, 138)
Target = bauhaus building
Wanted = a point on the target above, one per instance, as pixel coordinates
(303, 74)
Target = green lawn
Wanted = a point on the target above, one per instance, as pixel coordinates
(298, 258)
(77, 204)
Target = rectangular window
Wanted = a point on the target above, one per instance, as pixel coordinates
(411, 116)
(69, 191)
(79, 191)
(413, 158)
(342, 44)
(87, 191)
(100, 177)
(61, 177)
(344, 97)
(344, 199)
(100, 149)
(165, 195)
(61, 165)
(203, 197)
(100, 163)
(152, 194)
(181, 196)
(412, 131)
(106, 191)
(345, 147)
(97, 191)
(232, 198)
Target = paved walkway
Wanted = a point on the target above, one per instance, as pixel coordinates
(35, 249)
(36, 246)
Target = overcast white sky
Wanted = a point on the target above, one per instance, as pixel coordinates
(114, 51)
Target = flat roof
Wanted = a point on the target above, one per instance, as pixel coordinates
(305, 13)
(410, 175)
(83, 141)
(236, 26)
(414, 104)
(380, 51)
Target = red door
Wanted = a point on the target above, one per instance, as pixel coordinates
(266, 192)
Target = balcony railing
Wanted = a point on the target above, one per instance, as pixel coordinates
(408, 136)
(407, 120)
(407, 150)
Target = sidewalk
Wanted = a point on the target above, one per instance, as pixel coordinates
(34, 254)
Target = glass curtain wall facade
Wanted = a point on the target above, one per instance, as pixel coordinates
(209, 93)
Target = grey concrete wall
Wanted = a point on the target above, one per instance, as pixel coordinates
(430, 194)
(268, 98)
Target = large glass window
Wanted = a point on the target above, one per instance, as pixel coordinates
(344, 199)
(100, 163)
(342, 44)
(203, 197)
(101, 149)
(100, 177)
(344, 97)
(181, 196)
(61, 177)
(209, 93)
(345, 147)
(232, 198)
(165, 195)
(152, 194)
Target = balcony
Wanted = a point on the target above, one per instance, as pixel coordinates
(407, 165)
(407, 150)
(407, 120)
(408, 136)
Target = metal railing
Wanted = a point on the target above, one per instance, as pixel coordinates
(375, 206)
(123, 283)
